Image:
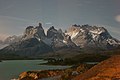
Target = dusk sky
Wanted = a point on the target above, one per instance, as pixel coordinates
(16, 15)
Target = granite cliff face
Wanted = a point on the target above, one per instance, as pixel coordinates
(58, 39)
(52, 32)
(34, 32)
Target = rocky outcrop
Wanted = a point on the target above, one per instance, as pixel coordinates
(63, 74)
(36, 75)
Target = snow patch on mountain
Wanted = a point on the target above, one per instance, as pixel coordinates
(72, 34)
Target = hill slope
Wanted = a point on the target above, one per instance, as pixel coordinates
(106, 70)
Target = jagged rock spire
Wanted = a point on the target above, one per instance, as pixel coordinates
(34, 32)
(40, 24)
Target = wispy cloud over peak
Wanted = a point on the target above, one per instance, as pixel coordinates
(117, 18)
(48, 23)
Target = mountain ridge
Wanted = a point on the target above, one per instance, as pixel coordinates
(83, 36)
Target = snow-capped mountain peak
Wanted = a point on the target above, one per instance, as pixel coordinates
(76, 36)
(87, 36)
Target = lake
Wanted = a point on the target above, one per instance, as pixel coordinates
(10, 69)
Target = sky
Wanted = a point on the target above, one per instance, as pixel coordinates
(16, 15)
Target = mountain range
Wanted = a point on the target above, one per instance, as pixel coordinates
(34, 41)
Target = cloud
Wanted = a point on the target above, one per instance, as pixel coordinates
(117, 18)
(48, 23)
(15, 18)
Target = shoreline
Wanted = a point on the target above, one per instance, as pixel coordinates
(41, 74)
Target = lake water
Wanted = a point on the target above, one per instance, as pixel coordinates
(12, 68)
